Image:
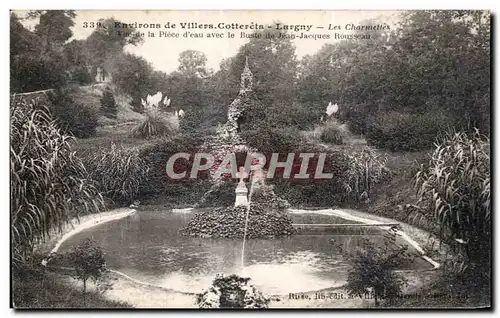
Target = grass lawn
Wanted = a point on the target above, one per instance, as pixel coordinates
(108, 135)
(41, 288)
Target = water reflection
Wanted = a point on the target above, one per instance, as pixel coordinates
(148, 247)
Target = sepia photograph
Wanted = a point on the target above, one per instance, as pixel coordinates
(250, 159)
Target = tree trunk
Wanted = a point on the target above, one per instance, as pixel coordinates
(376, 301)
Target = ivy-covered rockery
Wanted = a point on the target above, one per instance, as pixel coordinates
(267, 218)
(244, 114)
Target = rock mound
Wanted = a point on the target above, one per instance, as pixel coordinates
(229, 222)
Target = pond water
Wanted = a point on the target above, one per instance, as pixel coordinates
(148, 247)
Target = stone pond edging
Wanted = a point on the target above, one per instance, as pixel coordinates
(348, 215)
(90, 221)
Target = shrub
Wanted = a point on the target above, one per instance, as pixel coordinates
(453, 190)
(365, 168)
(88, 261)
(156, 154)
(332, 134)
(108, 104)
(220, 194)
(405, 132)
(118, 172)
(372, 271)
(232, 292)
(315, 192)
(78, 120)
(137, 104)
(190, 125)
(266, 139)
(154, 124)
(294, 115)
(357, 117)
(264, 195)
(49, 183)
(81, 75)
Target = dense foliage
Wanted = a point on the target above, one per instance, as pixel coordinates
(156, 154)
(72, 117)
(118, 172)
(391, 87)
(372, 271)
(153, 125)
(332, 133)
(398, 131)
(454, 192)
(36, 60)
(49, 184)
(48, 58)
(108, 104)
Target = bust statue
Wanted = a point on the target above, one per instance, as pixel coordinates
(241, 188)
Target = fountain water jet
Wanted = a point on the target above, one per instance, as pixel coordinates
(266, 217)
(252, 181)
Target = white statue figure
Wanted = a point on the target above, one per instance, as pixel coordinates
(241, 189)
(181, 113)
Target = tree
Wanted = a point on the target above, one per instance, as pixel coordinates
(273, 62)
(186, 91)
(33, 66)
(54, 26)
(104, 47)
(372, 271)
(77, 62)
(193, 63)
(89, 263)
(431, 64)
(132, 75)
(108, 104)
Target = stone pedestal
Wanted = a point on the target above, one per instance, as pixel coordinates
(241, 194)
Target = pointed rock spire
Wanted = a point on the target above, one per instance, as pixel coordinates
(246, 78)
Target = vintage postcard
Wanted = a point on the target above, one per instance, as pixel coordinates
(250, 159)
